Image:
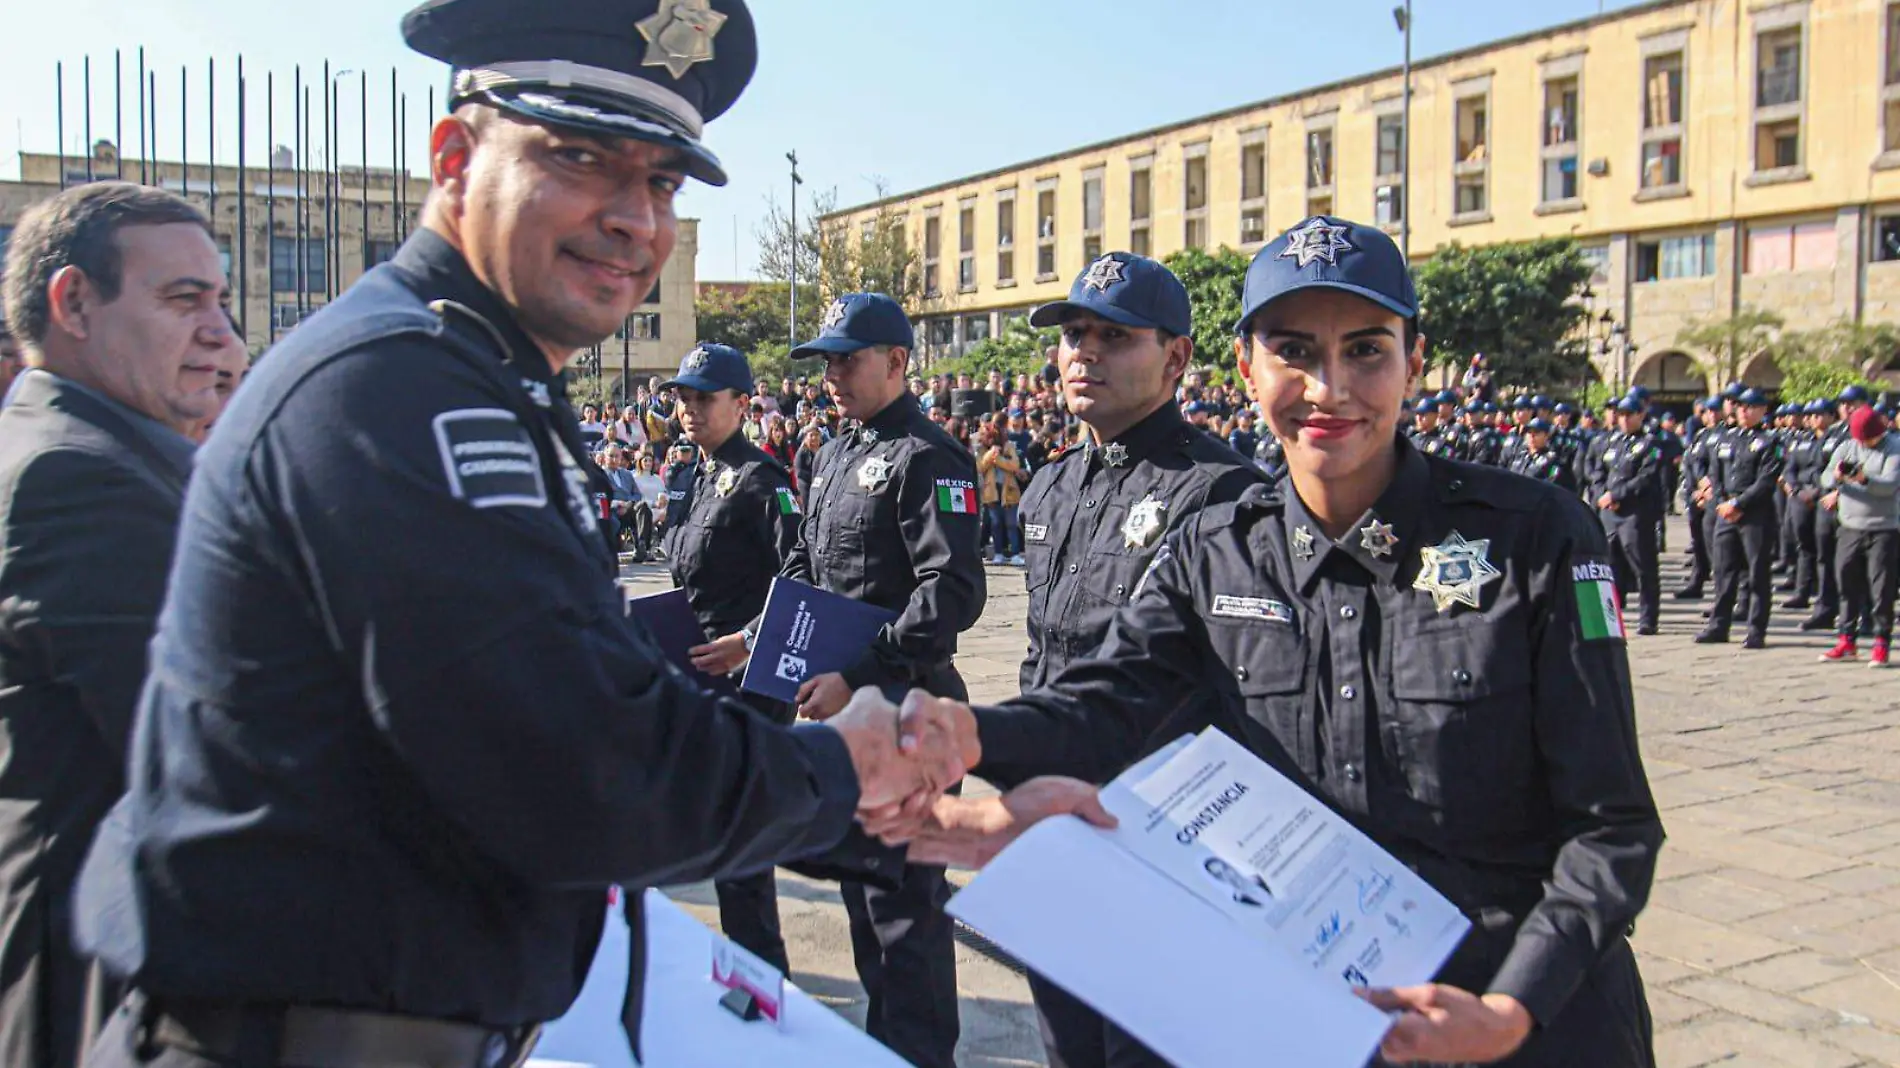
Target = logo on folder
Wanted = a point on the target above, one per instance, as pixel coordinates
(792, 668)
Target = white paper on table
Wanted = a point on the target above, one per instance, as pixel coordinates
(1244, 838)
(1074, 905)
(683, 1024)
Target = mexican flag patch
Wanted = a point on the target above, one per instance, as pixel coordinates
(787, 502)
(1599, 609)
(956, 496)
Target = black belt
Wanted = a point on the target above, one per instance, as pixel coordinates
(298, 1036)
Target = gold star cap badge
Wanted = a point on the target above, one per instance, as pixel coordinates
(679, 35)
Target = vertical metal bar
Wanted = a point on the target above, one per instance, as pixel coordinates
(270, 205)
(86, 87)
(151, 86)
(402, 167)
(243, 265)
(145, 153)
(184, 130)
(1405, 148)
(59, 117)
(297, 96)
(211, 138)
(329, 157)
(363, 89)
(395, 227)
(118, 115)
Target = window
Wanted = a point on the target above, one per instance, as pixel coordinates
(1046, 231)
(1471, 165)
(1388, 194)
(379, 250)
(942, 332)
(284, 316)
(224, 256)
(966, 245)
(1598, 257)
(1887, 239)
(867, 231)
(283, 265)
(1893, 45)
(1662, 121)
(1253, 188)
(933, 253)
(1140, 205)
(640, 326)
(1319, 171)
(1778, 95)
(1006, 236)
(1561, 149)
(1194, 195)
(1692, 256)
(1091, 215)
(6, 235)
(1799, 247)
(976, 328)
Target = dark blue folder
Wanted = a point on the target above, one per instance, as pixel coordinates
(807, 632)
(669, 618)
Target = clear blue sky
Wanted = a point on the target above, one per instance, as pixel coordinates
(913, 93)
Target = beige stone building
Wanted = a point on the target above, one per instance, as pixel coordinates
(273, 295)
(1706, 153)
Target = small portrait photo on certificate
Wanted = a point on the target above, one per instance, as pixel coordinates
(1248, 890)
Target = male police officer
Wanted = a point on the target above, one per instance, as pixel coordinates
(1742, 476)
(398, 735)
(1801, 482)
(730, 542)
(1093, 519)
(1628, 497)
(892, 521)
(1538, 458)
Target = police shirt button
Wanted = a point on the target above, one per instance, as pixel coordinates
(1348, 612)
(1090, 503)
(1120, 589)
(1456, 485)
(1348, 692)
(1461, 676)
(873, 863)
(1352, 773)
(1071, 569)
(1241, 673)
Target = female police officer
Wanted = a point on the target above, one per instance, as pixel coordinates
(1433, 647)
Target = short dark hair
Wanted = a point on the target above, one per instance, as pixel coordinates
(79, 228)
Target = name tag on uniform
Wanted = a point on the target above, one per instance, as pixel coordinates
(1253, 608)
(489, 458)
(1035, 532)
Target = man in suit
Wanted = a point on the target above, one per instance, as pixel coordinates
(117, 299)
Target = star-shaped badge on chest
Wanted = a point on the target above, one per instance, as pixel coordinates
(1377, 538)
(1103, 273)
(1455, 570)
(1317, 240)
(1115, 454)
(679, 35)
(1302, 543)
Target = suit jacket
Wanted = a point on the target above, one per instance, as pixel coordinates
(89, 509)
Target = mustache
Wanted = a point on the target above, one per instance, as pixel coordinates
(623, 256)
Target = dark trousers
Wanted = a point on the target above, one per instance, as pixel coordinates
(1784, 533)
(748, 904)
(1076, 1036)
(904, 947)
(1827, 530)
(1633, 552)
(1801, 519)
(1868, 560)
(1742, 562)
(1698, 547)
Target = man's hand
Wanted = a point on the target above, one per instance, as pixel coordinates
(1607, 503)
(1831, 501)
(1730, 511)
(968, 833)
(822, 696)
(887, 775)
(721, 656)
(1443, 1024)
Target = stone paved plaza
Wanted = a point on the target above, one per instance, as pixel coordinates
(1772, 937)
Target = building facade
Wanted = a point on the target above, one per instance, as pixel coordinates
(1706, 154)
(357, 225)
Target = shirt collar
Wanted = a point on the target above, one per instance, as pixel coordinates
(894, 417)
(439, 271)
(1391, 524)
(1155, 431)
(175, 448)
(734, 451)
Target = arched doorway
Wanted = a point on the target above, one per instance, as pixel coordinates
(1762, 373)
(1671, 377)
(1888, 374)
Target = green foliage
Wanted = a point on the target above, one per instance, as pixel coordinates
(1804, 380)
(1859, 347)
(746, 322)
(1595, 395)
(1513, 303)
(1018, 350)
(1730, 341)
(1214, 281)
(831, 261)
(772, 360)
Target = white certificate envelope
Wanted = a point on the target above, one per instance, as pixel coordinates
(683, 1025)
(1069, 902)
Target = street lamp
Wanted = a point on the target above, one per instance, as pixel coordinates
(792, 329)
(1402, 15)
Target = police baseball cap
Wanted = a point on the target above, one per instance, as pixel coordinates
(1445, 396)
(1523, 403)
(653, 70)
(1540, 402)
(1563, 409)
(1425, 406)
(1640, 392)
(1489, 407)
(1629, 405)
(858, 321)
(1127, 289)
(1818, 406)
(1752, 398)
(1734, 391)
(1538, 426)
(711, 368)
(1328, 253)
(1854, 394)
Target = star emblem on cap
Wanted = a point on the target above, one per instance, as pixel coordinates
(679, 35)
(696, 361)
(1103, 273)
(1454, 570)
(1317, 240)
(1377, 538)
(834, 315)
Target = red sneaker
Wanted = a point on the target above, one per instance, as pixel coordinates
(1844, 650)
(1879, 659)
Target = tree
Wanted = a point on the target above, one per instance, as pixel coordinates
(745, 321)
(1820, 363)
(1214, 282)
(1514, 303)
(831, 262)
(1731, 340)
(1020, 349)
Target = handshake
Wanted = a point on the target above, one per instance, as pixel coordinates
(908, 758)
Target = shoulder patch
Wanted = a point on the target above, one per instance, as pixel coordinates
(1599, 602)
(787, 501)
(1261, 608)
(489, 458)
(956, 495)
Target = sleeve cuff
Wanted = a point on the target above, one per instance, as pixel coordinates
(836, 783)
(1541, 976)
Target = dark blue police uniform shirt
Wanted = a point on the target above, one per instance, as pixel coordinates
(398, 735)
